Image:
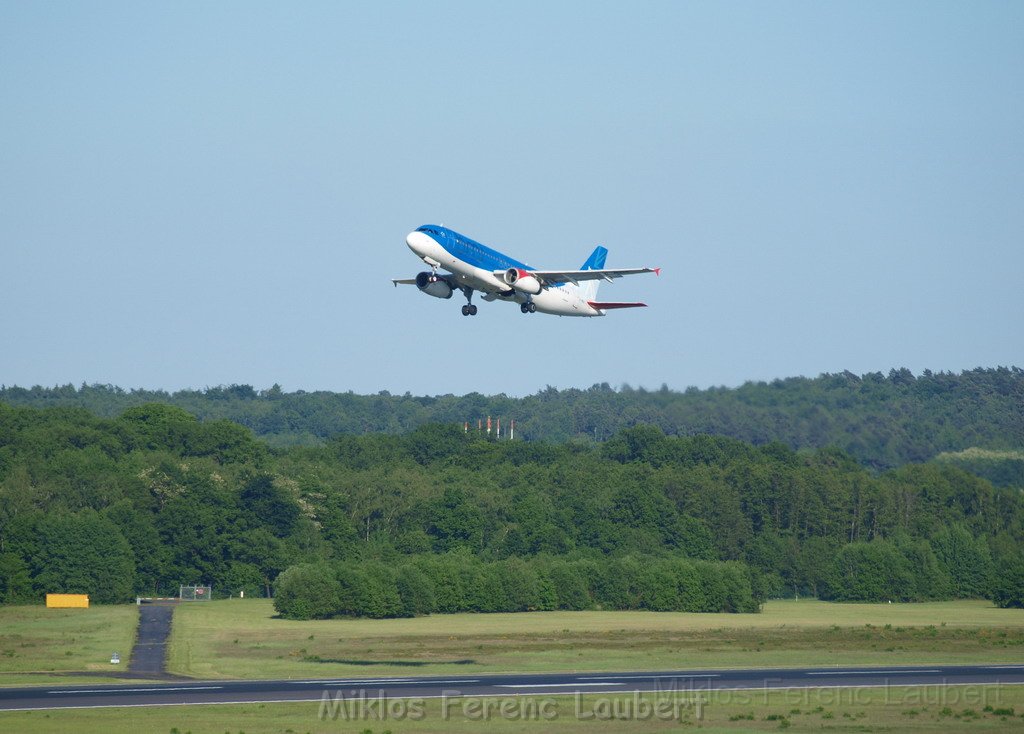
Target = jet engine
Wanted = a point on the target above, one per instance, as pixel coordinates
(522, 280)
(434, 285)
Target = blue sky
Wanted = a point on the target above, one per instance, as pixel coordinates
(196, 194)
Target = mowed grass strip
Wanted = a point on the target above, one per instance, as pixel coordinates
(244, 639)
(35, 641)
(903, 709)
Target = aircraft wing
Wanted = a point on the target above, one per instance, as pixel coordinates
(575, 276)
(403, 281)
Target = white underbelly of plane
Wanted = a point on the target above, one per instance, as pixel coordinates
(478, 278)
(557, 301)
(554, 301)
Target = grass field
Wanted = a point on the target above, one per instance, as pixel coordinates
(910, 709)
(39, 645)
(243, 639)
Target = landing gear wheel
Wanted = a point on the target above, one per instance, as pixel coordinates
(524, 307)
(531, 307)
(469, 309)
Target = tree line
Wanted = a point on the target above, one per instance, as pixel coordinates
(882, 420)
(153, 498)
(461, 582)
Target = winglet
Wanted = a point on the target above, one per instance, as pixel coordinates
(657, 271)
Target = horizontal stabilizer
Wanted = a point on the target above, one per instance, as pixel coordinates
(604, 306)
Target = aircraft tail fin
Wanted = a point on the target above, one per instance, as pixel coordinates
(594, 262)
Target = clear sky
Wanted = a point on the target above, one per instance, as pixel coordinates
(195, 194)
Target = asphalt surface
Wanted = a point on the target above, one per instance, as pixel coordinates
(193, 692)
(150, 648)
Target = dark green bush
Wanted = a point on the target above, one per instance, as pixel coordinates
(307, 591)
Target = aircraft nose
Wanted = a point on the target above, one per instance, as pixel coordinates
(418, 242)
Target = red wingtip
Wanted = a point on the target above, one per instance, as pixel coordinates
(657, 271)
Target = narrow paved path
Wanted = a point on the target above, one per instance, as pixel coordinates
(150, 652)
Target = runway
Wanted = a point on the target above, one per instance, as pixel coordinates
(194, 693)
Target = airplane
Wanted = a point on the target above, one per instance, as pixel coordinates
(474, 267)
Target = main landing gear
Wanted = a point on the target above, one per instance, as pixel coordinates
(469, 309)
(528, 307)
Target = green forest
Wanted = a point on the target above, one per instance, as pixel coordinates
(882, 421)
(437, 519)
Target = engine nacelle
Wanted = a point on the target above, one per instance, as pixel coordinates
(522, 280)
(433, 285)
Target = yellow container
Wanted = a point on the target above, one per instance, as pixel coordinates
(64, 601)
